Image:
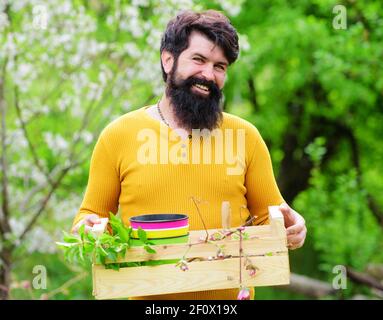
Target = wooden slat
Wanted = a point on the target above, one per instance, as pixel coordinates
(205, 275)
(259, 231)
(263, 243)
(256, 247)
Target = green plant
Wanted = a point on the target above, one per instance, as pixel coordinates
(105, 249)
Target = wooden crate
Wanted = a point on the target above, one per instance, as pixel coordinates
(266, 248)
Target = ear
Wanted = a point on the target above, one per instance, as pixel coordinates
(167, 60)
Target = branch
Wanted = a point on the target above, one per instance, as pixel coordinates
(253, 94)
(375, 270)
(363, 278)
(33, 191)
(44, 202)
(309, 287)
(66, 285)
(31, 147)
(4, 225)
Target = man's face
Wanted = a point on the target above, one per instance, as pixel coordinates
(203, 60)
(195, 82)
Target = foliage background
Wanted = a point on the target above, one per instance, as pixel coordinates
(315, 93)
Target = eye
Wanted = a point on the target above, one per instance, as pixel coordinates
(220, 67)
(198, 59)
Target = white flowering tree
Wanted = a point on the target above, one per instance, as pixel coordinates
(66, 69)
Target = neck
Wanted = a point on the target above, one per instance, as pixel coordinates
(167, 112)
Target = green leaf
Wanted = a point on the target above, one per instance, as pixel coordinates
(66, 244)
(142, 235)
(113, 266)
(149, 249)
(112, 255)
(90, 237)
(81, 232)
(71, 237)
(124, 234)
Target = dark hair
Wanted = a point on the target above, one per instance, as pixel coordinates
(213, 24)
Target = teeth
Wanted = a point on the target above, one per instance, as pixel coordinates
(202, 87)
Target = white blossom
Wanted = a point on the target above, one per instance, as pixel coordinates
(55, 142)
(243, 41)
(231, 7)
(140, 3)
(39, 240)
(4, 22)
(85, 136)
(17, 226)
(126, 106)
(132, 50)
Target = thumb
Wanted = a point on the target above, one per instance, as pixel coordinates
(92, 219)
(284, 208)
(286, 211)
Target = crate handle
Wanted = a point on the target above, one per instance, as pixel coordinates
(99, 228)
(277, 222)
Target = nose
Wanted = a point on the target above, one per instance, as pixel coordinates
(208, 73)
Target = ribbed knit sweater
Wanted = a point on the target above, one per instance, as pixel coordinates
(140, 166)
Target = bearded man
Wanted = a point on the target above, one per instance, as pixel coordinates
(196, 51)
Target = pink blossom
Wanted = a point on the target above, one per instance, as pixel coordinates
(244, 294)
(221, 255)
(184, 267)
(252, 272)
(26, 284)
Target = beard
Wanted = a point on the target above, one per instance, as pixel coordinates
(193, 110)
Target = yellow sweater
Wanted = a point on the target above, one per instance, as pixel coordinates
(141, 166)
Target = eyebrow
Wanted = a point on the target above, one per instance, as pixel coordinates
(203, 57)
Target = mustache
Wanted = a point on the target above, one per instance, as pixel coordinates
(211, 85)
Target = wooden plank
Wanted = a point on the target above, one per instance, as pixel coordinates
(259, 231)
(205, 275)
(254, 247)
(277, 222)
(263, 243)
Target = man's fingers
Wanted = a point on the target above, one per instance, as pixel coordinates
(296, 241)
(87, 229)
(288, 214)
(296, 228)
(292, 246)
(92, 219)
(89, 220)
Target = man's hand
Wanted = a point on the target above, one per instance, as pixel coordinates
(89, 220)
(295, 227)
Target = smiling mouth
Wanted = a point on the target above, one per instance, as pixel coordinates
(201, 88)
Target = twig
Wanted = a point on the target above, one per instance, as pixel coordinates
(44, 203)
(31, 147)
(67, 284)
(203, 222)
(240, 258)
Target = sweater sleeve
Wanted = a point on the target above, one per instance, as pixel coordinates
(262, 189)
(103, 189)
